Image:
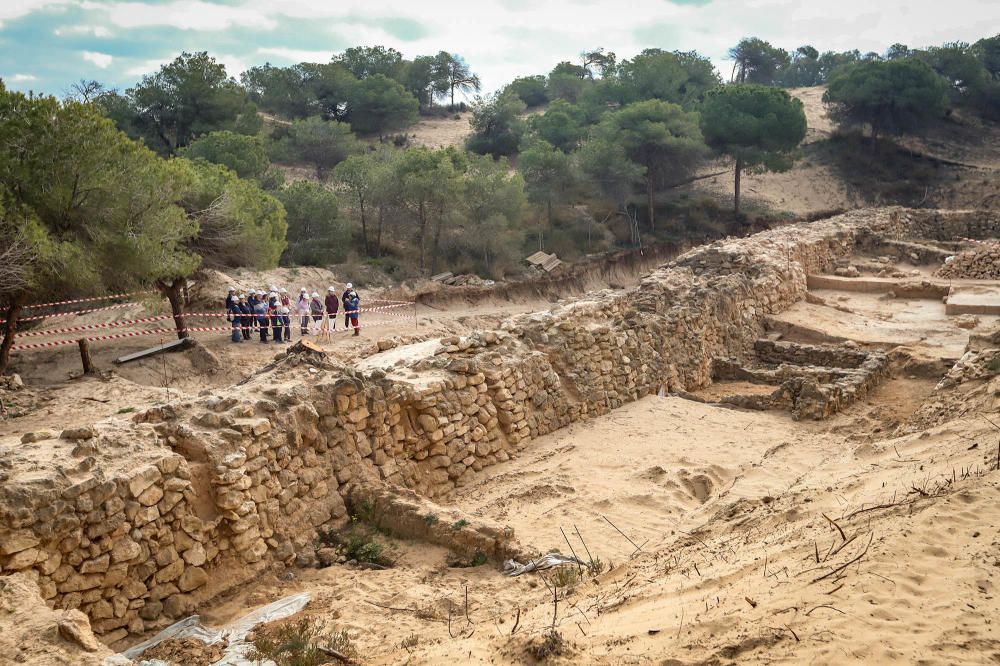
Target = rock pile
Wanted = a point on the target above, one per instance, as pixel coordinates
(980, 263)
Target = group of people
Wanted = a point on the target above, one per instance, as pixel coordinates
(271, 312)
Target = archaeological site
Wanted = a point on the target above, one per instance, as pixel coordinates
(566, 333)
(766, 447)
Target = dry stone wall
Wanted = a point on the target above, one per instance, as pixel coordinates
(140, 521)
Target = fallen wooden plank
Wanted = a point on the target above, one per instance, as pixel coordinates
(441, 277)
(537, 258)
(152, 351)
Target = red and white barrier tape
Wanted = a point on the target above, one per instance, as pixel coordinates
(86, 300)
(127, 334)
(75, 312)
(89, 327)
(172, 332)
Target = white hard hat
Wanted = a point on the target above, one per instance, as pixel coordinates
(303, 289)
(315, 295)
(284, 310)
(332, 289)
(274, 288)
(232, 289)
(283, 290)
(350, 286)
(273, 294)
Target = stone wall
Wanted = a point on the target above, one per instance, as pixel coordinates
(137, 521)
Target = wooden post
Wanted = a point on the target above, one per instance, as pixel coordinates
(88, 364)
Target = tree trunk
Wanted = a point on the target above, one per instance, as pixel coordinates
(736, 198)
(548, 203)
(649, 197)
(452, 96)
(378, 234)
(88, 363)
(423, 227)
(173, 293)
(435, 245)
(364, 226)
(9, 331)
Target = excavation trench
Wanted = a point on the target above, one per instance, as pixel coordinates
(155, 515)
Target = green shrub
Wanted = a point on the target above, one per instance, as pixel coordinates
(299, 643)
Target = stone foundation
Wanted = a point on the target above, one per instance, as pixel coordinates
(813, 382)
(137, 521)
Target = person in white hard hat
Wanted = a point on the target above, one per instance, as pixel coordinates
(230, 302)
(348, 291)
(302, 306)
(316, 308)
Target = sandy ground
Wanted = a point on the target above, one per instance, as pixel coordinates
(728, 536)
(728, 508)
(442, 132)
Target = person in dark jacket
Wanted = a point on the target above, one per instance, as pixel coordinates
(332, 306)
(316, 308)
(246, 316)
(348, 295)
(352, 306)
(260, 310)
(230, 302)
(273, 307)
(234, 316)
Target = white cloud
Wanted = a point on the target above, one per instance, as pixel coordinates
(101, 60)
(235, 65)
(296, 55)
(147, 66)
(182, 14)
(95, 30)
(12, 9)
(21, 78)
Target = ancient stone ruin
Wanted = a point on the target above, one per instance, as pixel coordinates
(143, 517)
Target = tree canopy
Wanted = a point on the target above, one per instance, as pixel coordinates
(321, 143)
(246, 155)
(661, 137)
(317, 236)
(758, 126)
(497, 127)
(84, 209)
(891, 97)
(379, 105)
(189, 96)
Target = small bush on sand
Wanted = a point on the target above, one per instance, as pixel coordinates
(304, 642)
(550, 644)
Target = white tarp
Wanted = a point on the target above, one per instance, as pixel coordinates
(235, 632)
(513, 568)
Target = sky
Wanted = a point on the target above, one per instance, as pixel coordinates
(46, 45)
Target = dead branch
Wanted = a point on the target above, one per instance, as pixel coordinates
(834, 523)
(854, 559)
(809, 612)
(330, 652)
(634, 545)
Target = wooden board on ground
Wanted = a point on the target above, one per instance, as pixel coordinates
(441, 277)
(538, 258)
(312, 346)
(152, 351)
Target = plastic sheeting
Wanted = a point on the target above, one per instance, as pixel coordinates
(513, 568)
(235, 632)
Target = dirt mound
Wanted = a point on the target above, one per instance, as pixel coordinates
(980, 263)
(31, 633)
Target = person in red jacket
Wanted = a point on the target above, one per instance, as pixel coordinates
(332, 306)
